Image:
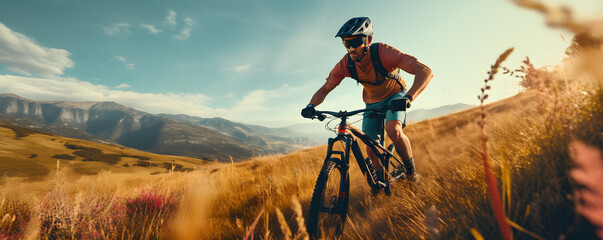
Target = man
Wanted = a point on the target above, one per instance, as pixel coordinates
(379, 90)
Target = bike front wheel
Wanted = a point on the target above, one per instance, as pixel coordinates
(329, 206)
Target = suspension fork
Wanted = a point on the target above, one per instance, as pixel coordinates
(343, 164)
(344, 156)
(330, 151)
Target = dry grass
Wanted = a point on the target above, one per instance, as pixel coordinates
(81, 156)
(220, 201)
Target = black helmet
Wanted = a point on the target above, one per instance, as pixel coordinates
(356, 26)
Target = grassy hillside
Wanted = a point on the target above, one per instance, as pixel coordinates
(27, 153)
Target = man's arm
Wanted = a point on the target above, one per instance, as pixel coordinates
(393, 58)
(423, 76)
(322, 93)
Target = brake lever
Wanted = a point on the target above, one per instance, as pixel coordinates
(321, 117)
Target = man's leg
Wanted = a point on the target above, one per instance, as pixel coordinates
(371, 127)
(393, 128)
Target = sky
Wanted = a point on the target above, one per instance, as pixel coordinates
(258, 61)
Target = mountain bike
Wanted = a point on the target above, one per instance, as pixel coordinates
(329, 205)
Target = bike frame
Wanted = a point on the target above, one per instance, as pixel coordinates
(351, 143)
(349, 135)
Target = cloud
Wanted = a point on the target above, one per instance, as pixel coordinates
(151, 28)
(256, 100)
(185, 33)
(116, 29)
(23, 55)
(69, 89)
(123, 59)
(278, 104)
(123, 85)
(170, 19)
(240, 68)
(181, 32)
(188, 21)
(120, 58)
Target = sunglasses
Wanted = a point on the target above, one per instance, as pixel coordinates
(356, 42)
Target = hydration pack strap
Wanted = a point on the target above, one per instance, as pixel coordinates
(352, 68)
(377, 66)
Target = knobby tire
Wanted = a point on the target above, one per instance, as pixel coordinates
(317, 226)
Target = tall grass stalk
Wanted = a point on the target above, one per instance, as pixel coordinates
(476, 234)
(251, 229)
(520, 228)
(495, 199)
(302, 233)
(284, 226)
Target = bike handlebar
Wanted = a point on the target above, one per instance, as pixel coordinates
(340, 113)
(396, 105)
(321, 114)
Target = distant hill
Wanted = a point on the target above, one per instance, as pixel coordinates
(210, 139)
(251, 133)
(417, 115)
(29, 153)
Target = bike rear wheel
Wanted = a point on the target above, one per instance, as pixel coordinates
(329, 206)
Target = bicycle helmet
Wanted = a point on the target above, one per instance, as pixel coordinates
(358, 26)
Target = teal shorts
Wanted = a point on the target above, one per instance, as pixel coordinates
(372, 125)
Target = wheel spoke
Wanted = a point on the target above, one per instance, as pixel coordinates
(331, 209)
(325, 209)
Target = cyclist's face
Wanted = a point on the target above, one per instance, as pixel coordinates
(357, 53)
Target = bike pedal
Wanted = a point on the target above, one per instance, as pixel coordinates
(397, 175)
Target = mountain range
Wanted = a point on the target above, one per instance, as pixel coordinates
(217, 139)
(214, 139)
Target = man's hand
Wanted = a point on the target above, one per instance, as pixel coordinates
(309, 111)
(401, 104)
